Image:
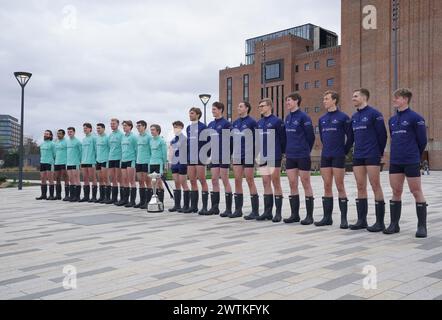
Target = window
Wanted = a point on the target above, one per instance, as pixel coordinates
(246, 87)
(296, 68)
(317, 84)
(317, 109)
(331, 62)
(306, 85)
(306, 110)
(229, 99)
(317, 65)
(330, 82)
(297, 87)
(273, 71)
(307, 67)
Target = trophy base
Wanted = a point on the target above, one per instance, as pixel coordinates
(155, 207)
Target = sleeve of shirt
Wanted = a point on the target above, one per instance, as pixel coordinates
(229, 126)
(164, 151)
(282, 136)
(349, 135)
(80, 150)
(421, 134)
(148, 152)
(320, 130)
(309, 132)
(135, 145)
(53, 151)
(381, 132)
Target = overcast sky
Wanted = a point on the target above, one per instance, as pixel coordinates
(93, 60)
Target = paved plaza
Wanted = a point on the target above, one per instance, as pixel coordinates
(119, 253)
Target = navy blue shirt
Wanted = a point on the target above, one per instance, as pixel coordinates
(370, 133)
(300, 135)
(179, 146)
(408, 137)
(336, 134)
(266, 124)
(239, 128)
(219, 125)
(194, 145)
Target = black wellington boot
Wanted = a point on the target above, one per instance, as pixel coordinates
(294, 207)
(94, 194)
(177, 201)
(51, 192)
(254, 199)
(309, 206)
(239, 201)
(102, 194)
(193, 202)
(44, 191)
(86, 193)
(142, 192)
(278, 206)
(362, 209)
(421, 210)
(228, 212)
(395, 216)
(268, 208)
(343, 207)
(149, 194)
(379, 226)
(160, 194)
(67, 188)
(107, 195)
(186, 201)
(205, 198)
(327, 220)
(124, 197)
(58, 191)
(214, 199)
(133, 197)
(71, 193)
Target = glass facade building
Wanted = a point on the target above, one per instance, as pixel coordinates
(9, 132)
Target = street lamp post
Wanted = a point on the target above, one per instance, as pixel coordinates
(22, 78)
(205, 99)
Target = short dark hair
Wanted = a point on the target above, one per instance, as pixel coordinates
(334, 95)
(178, 124)
(296, 97)
(129, 123)
(404, 93)
(157, 127)
(218, 105)
(62, 131)
(101, 125)
(142, 123)
(50, 132)
(248, 106)
(71, 128)
(87, 125)
(197, 111)
(364, 92)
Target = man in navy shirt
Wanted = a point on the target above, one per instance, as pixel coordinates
(300, 141)
(370, 139)
(271, 148)
(220, 159)
(408, 141)
(337, 137)
(243, 132)
(196, 166)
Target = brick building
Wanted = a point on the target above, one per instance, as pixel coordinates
(304, 59)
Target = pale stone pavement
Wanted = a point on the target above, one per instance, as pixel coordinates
(123, 253)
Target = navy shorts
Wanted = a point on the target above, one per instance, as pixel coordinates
(219, 165)
(114, 164)
(86, 166)
(274, 164)
(243, 163)
(195, 164)
(303, 164)
(59, 167)
(333, 162)
(127, 164)
(100, 165)
(179, 169)
(142, 167)
(367, 162)
(410, 170)
(45, 167)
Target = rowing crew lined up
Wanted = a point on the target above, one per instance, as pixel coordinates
(121, 156)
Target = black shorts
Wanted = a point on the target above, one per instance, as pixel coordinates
(367, 162)
(86, 166)
(142, 167)
(154, 168)
(273, 164)
(114, 164)
(410, 170)
(100, 165)
(303, 164)
(219, 165)
(59, 167)
(179, 169)
(71, 168)
(127, 164)
(333, 162)
(195, 164)
(243, 163)
(45, 167)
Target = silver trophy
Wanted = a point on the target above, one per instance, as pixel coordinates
(155, 205)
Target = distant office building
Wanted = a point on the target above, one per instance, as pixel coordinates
(9, 132)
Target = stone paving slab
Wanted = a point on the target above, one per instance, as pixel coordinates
(119, 253)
